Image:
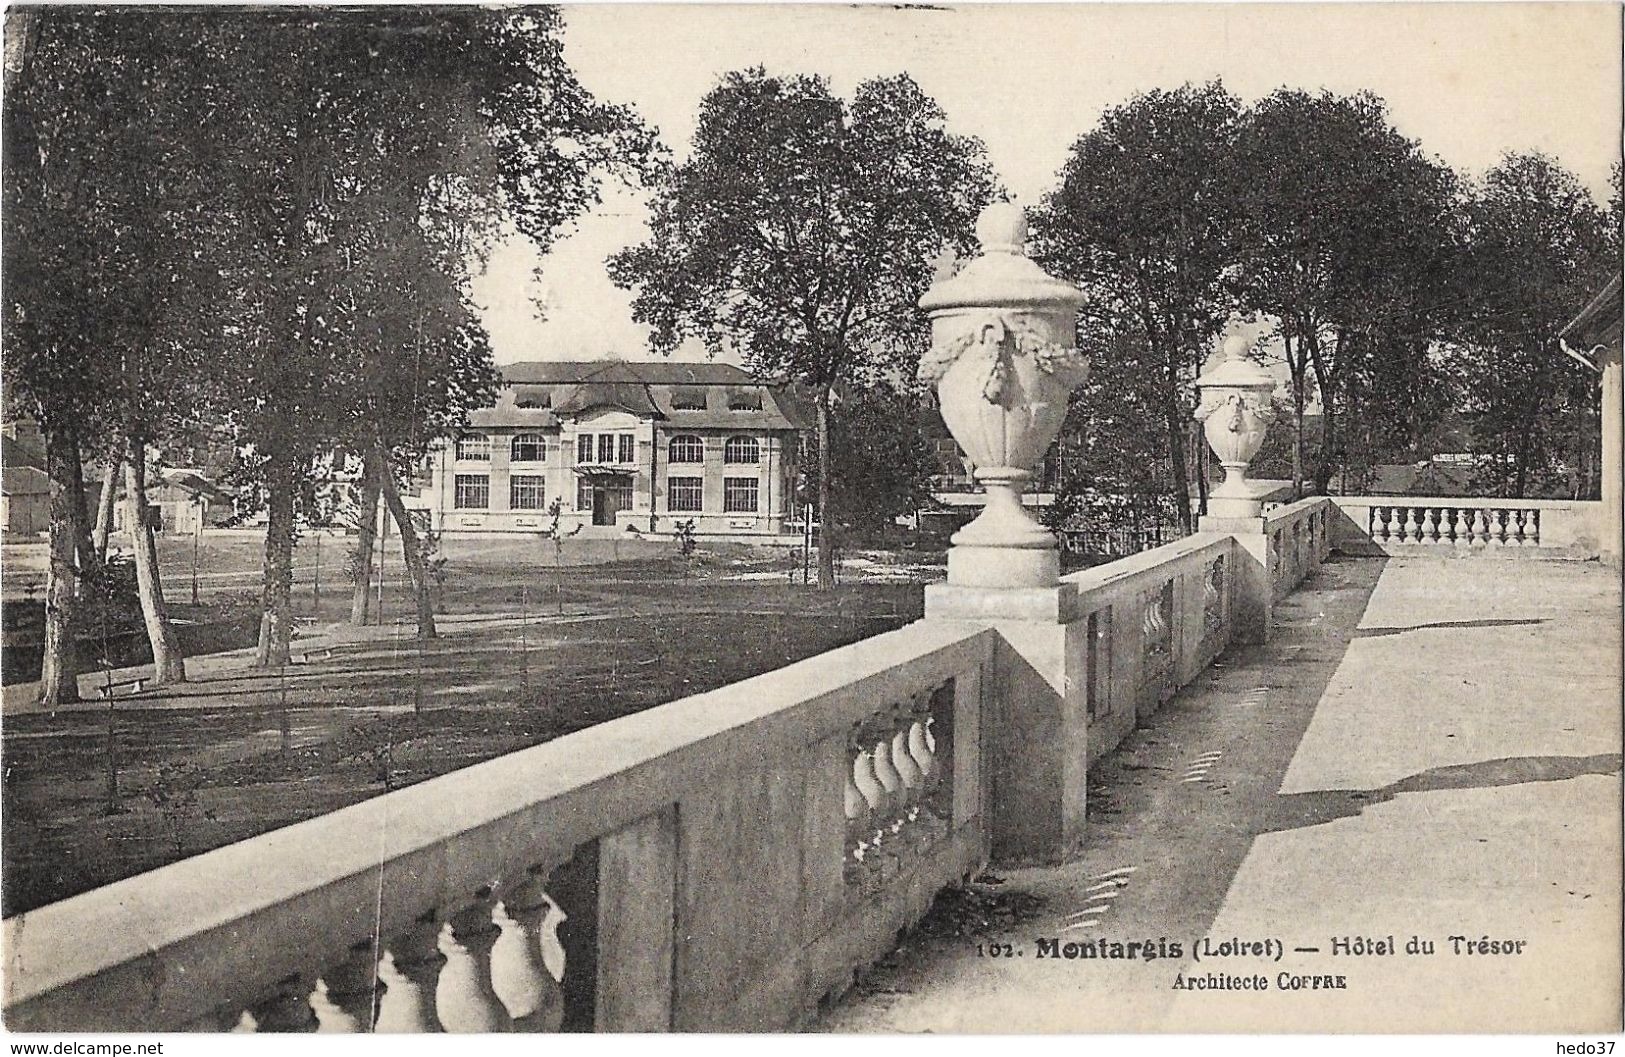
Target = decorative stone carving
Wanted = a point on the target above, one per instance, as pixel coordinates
(1003, 364)
(1235, 412)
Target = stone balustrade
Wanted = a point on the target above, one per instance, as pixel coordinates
(717, 863)
(1300, 537)
(1455, 525)
(1152, 622)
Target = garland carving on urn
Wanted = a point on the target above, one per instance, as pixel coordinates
(997, 337)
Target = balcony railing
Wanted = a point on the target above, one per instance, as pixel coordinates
(1300, 537)
(722, 862)
(1408, 524)
(718, 863)
(1153, 622)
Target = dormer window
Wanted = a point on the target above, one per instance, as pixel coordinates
(688, 398)
(744, 400)
(533, 398)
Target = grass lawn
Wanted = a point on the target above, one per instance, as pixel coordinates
(527, 654)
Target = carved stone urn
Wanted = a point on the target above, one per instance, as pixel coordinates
(1235, 412)
(1003, 363)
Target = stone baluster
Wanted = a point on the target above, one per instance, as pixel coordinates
(1498, 527)
(1532, 527)
(409, 971)
(907, 770)
(922, 746)
(891, 781)
(1412, 529)
(519, 973)
(286, 1010)
(874, 795)
(464, 998)
(1430, 525)
(344, 996)
(1459, 530)
(1480, 528)
(853, 804)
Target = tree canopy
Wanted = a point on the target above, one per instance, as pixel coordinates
(800, 232)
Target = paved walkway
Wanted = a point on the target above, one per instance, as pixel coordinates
(1428, 748)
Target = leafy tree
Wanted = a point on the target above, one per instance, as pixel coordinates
(1539, 251)
(385, 149)
(110, 178)
(1113, 448)
(1347, 235)
(800, 233)
(1144, 221)
(878, 441)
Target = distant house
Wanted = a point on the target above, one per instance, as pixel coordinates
(621, 445)
(25, 490)
(180, 500)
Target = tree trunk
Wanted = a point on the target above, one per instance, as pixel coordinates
(1176, 461)
(1326, 462)
(84, 547)
(104, 507)
(411, 549)
(276, 618)
(826, 526)
(360, 594)
(59, 683)
(168, 664)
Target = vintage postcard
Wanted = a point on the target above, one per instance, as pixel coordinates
(962, 519)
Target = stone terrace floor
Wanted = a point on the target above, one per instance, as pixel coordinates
(1428, 747)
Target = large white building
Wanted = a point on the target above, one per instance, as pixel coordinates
(621, 445)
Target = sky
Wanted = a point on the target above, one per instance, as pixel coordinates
(1468, 81)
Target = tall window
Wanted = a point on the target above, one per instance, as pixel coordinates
(687, 448)
(473, 491)
(474, 447)
(683, 494)
(584, 448)
(741, 450)
(583, 494)
(739, 495)
(529, 447)
(628, 446)
(606, 447)
(525, 492)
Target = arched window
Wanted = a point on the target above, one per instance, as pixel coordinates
(474, 447)
(740, 450)
(529, 447)
(686, 448)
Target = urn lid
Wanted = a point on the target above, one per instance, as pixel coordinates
(1002, 275)
(1236, 371)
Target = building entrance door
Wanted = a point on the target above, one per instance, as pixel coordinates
(610, 495)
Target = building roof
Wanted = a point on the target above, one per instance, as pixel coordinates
(679, 395)
(1600, 322)
(194, 483)
(644, 372)
(628, 396)
(21, 451)
(23, 480)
